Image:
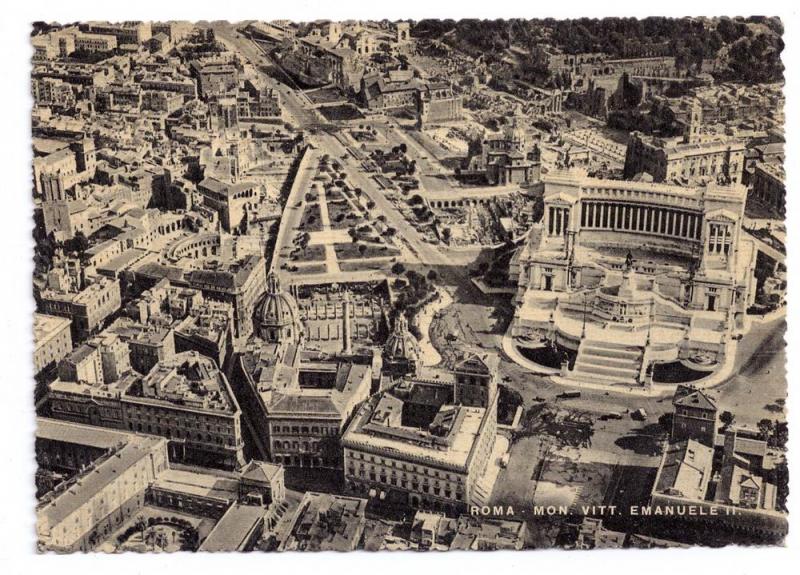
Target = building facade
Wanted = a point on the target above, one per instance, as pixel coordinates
(52, 340)
(437, 462)
(671, 161)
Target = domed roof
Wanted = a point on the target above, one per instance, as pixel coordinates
(401, 344)
(514, 131)
(279, 308)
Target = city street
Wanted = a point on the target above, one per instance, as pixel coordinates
(755, 390)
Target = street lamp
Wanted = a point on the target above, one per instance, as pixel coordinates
(583, 329)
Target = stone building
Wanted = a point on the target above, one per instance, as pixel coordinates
(768, 186)
(437, 103)
(184, 398)
(684, 160)
(106, 493)
(88, 308)
(426, 442)
(52, 340)
(695, 417)
(646, 261)
(401, 352)
(278, 315)
(299, 409)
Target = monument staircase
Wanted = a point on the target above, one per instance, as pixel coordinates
(608, 362)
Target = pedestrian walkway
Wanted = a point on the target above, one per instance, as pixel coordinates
(485, 483)
(430, 355)
(331, 263)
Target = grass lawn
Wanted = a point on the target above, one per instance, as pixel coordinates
(351, 251)
(315, 253)
(342, 215)
(345, 112)
(363, 265)
(311, 221)
(312, 269)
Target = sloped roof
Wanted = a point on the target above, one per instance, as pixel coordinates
(260, 471)
(483, 363)
(689, 397)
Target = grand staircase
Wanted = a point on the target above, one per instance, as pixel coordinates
(607, 363)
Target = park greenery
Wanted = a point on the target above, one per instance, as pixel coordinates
(749, 48)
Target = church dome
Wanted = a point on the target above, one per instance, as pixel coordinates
(278, 314)
(401, 344)
(515, 136)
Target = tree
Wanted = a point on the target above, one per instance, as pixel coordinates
(79, 243)
(781, 434)
(398, 268)
(538, 209)
(766, 427)
(432, 275)
(726, 417)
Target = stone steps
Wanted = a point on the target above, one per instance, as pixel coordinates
(607, 362)
(594, 349)
(621, 362)
(594, 377)
(623, 372)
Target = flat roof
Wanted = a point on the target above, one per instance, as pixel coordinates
(96, 478)
(78, 434)
(233, 530)
(46, 326)
(686, 468)
(410, 442)
(325, 522)
(198, 483)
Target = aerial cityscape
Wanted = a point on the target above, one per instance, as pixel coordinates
(410, 285)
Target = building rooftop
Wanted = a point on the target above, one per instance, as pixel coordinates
(479, 534)
(351, 383)
(77, 434)
(46, 326)
(262, 471)
(130, 330)
(686, 396)
(775, 170)
(87, 485)
(685, 470)
(325, 522)
(447, 439)
(188, 379)
(201, 484)
(234, 529)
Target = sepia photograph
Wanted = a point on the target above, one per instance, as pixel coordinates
(408, 284)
